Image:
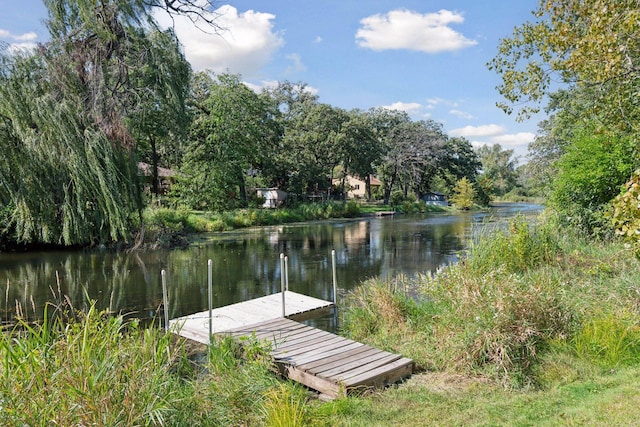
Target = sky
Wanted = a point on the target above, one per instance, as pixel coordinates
(425, 57)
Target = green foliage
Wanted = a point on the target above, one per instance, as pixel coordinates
(566, 43)
(464, 194)
(66, 180)
(498, 169)
(519, 248)
(167, 219)
(397, 197)
(409, 207)
(351, 209)
(97, 371)
(625, 212)
(589, 175)
(286, 406)
(610, 340)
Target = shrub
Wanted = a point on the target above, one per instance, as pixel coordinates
(351, 209)
(397, 197)
(625, 212)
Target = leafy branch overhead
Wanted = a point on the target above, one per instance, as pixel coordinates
(583, 43)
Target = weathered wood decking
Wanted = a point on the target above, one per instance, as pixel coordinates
(297, 307)
(328, 363)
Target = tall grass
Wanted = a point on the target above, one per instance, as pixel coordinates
(523, 302)
(89, 368)
(286, 406)
(86, 373)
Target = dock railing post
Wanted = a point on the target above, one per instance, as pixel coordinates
(210, 292)
(335, 285)
(286, 273)
(282, 282)
(165, 300)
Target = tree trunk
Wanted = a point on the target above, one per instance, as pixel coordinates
(243, 187)
(155, 180)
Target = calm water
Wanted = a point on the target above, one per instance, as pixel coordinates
(246, 263)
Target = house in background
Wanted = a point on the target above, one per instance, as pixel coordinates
(166, 177)
(437, 199)
(273, 197)
(356, 187)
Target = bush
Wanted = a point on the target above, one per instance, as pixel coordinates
(625, 212)
(397, 197)
(351, 209)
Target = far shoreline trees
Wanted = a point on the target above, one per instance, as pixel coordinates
(110, 90)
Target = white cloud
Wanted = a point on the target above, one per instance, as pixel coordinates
(514, 139)
(272, 84)
(245, 43)
(404, 29)
(462, 114)
(408, 107)
(478, 131)
(318, 40)
(25, 41)
(296, 64)
(26, 37)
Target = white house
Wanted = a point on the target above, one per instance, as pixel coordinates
(273, 197)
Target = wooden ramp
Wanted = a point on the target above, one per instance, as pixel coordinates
(297, 307)
(328, 363)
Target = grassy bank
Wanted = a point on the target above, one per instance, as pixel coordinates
(534, 327)
(167, 227)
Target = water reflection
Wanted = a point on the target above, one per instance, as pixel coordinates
(245, 264)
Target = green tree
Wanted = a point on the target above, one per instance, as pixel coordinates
(68, 174)
(160, 121)
(231, 136)
(498, 169)
(590, 174)
(361, 150)
(592, 44)
(415, 153)
(464, 194)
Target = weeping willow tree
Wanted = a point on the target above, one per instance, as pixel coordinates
(68, 170)
(63, 180)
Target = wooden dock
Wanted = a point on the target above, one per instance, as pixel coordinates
(328, 363)
(297, 307)
(333, 365)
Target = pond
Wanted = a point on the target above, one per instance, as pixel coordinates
(246, 263)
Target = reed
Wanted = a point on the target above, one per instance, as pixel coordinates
(286, 406)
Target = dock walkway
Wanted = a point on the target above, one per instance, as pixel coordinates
(297, 307)
(326, 362)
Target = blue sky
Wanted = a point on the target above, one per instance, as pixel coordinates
(426, 57)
